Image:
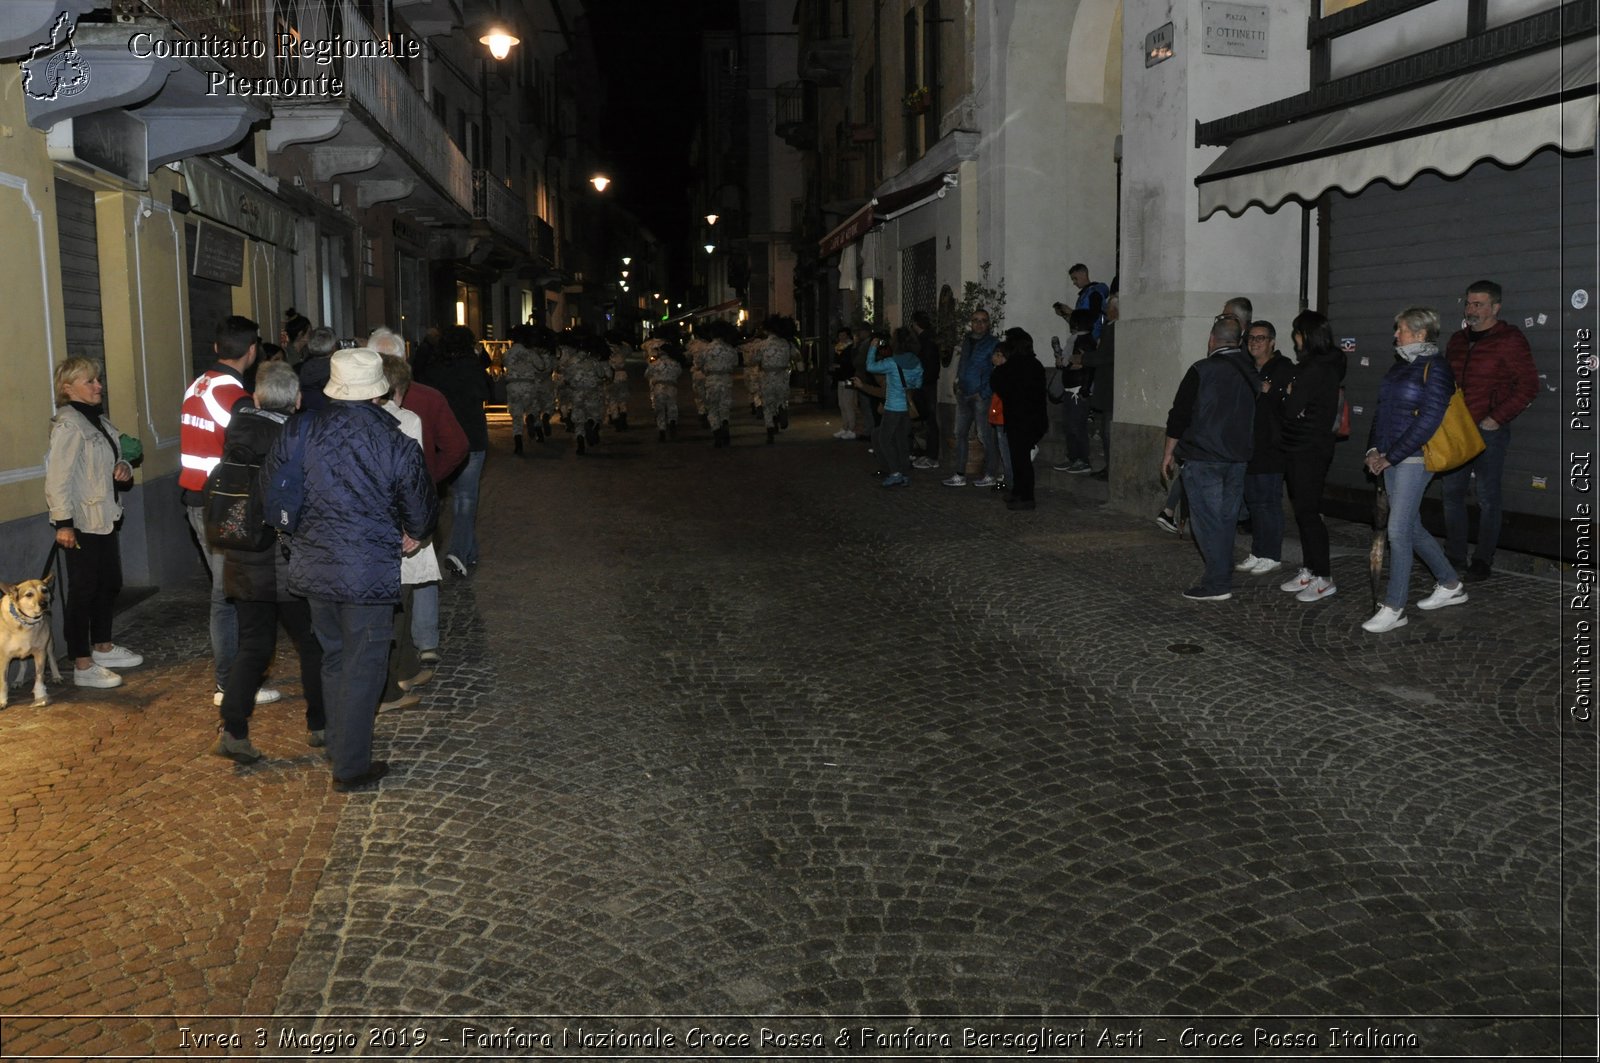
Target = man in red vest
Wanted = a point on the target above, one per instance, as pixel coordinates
(208, 407)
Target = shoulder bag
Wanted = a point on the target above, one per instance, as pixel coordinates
(1457, 440)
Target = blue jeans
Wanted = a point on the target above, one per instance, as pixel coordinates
(1486, 469)
(355, 661)
(1263, 496)
(1075, 425)
(425, 616)
(1004, 447)
(224, 621)
(464, 509)
(1214, 490)
(974, 410)
(1406, 483)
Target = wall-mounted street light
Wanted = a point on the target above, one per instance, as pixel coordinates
(711, 219)
(600, 181)
(627, 260)
(499, 42)
(710, 248)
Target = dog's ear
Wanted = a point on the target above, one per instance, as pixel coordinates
(8, 590)
(45, 583)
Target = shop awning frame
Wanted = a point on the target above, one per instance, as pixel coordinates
(1506, 113)
(886, 207)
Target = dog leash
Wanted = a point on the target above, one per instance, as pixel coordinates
(50, 559)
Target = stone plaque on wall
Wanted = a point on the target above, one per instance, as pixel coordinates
(1234, 29)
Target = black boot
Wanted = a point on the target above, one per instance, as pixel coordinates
(783, 418)
(544, 425)
(622, 422)
(580, 444)
(661, 435)
(538, 434)
(672, 429)
(516, 444)
(566, 422)
(592, 431)
(772, 436)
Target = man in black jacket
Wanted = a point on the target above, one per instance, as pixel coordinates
(1211, 427)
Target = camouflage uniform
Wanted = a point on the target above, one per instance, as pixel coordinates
(697, 373)
(616, 389)
(663, 374)
(775, 354)
(585, 377)
(542, 361)
(719, 361)
(522, 383)
(567, 356)
(750, 355)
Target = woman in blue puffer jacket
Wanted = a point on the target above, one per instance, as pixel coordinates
(1412, 399)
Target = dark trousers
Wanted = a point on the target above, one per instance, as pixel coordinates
(1075, 423)
(355, 653)
(94, 576)
(1304, 477)
(1021, 448)
(928, 405)
(258, 641)
(403, 660)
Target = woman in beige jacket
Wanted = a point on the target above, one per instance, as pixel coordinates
(83, 473)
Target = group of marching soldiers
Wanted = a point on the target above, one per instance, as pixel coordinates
(582, 378)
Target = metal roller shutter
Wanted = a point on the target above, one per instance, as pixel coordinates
(80, 271)
(1531, 229)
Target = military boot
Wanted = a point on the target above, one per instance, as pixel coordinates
(772, 436)
(516, 444)
(592, 432)
(622, 422)
(580, 444)
(661, 435)
(672, 429)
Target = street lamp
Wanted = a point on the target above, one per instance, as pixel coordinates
(710, 248)
(499, 42)
(711, 219)
(600, 181)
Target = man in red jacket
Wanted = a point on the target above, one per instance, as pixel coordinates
(1494, 368)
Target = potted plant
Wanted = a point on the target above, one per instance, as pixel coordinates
(918, 100)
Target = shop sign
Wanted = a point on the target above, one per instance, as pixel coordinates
(112, 142)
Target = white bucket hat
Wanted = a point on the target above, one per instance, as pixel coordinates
(356, 374)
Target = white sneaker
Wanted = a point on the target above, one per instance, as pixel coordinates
(956, 481)
(1385, 619)
(1249, 563)
(1317, 589)
(1443, 596)
(117, 657)
(264, 696)
(924, 463)
(1300, 582)
(842, 434)
(984, 481)
(96, 675)
(1265, 565)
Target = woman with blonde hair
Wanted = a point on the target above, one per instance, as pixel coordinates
(83, 473)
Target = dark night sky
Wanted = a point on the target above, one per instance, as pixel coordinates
(649, 54)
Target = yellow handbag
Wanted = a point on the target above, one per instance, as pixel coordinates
(1457, 440)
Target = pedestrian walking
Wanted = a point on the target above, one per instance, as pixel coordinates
(1309, 410)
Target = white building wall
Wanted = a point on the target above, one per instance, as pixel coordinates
(1176, 270)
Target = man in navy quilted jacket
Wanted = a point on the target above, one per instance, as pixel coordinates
(368, 499)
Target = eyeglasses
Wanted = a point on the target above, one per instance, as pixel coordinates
(1223, 317)
(1258, 338)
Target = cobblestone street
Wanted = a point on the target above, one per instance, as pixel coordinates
(739, 733)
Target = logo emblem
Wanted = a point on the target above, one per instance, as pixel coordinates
(55, 70)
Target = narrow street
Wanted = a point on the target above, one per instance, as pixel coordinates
(738, 733)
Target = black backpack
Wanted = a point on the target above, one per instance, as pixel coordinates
(234, 515)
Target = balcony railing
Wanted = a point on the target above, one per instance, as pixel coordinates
(795, 117)
(250, 20)
(496, 204)
(381, 89)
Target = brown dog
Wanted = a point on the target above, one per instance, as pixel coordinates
(25, 632)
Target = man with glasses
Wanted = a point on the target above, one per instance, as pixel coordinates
(1494, 368)
(1263, 477)
(972, 402)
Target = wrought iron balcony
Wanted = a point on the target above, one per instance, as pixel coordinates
(796, 114)
(496, 204)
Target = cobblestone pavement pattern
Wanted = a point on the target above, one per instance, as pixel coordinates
(737, 732)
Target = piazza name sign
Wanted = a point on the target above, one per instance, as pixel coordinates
(1234, 29)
